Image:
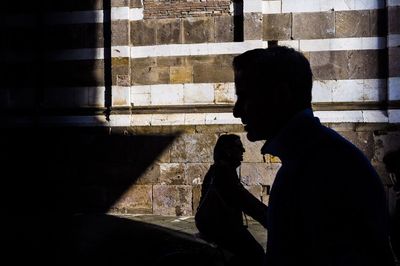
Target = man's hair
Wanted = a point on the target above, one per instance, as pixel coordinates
(224, 143)
(262, 69)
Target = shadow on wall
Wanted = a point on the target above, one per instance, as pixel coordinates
(50, 65)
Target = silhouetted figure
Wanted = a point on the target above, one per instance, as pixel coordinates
(392, 161)
(219, 217)
(327, 204)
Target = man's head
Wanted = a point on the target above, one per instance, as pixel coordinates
(272, 85)
(229, 149)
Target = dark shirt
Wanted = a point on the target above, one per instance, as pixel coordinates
(327, 204)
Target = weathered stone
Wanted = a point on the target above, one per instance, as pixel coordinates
(173, 174)
(123, 80)
(224, 93)
(394, 20)
(277, 26)
(195, 172)
(260, 192)
(253, 26)
(328, 65)
(120, 32)
(169, 31)
(223, 29)
(318, 25)
(378, 22)
(136, 4)
(137, 199)
(253, 150)
(195, 148)
(363, 140)
(150, 176)
(119, 3)
(360, 67)
(273, 159)
(352, 24)
(196, 197)
(181, 74)
(385, 142)
(212, 73)
(172, 61)
(198, 30)
(219, 128)
(172, 200)
(143, 32)
(258, 173)
(394, 59)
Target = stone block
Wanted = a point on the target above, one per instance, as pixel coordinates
(212, 74)
(181, 74)
(367, 64)
(219, 128)
(195, 148)
(172, 61)
(363, 140)
(172, 200)
(173, 174)
(223, 29)
(394, 20)
(196, 195)
(136, 4)
(378, 22)
(394, 59)
(195, 172)
(198, 30)
(277, 26)
(198, 94)
(169, 31)
(253, 26)
(137, 199)
(224, 93)
(150, 175)
(120, 3)
(385, 142)
(253, 150)
(352, 24)
(143, 32)
(260, 192)
(258, 173)
(318, 25)
(328, 65)
(120, 33)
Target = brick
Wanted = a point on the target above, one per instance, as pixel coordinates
(394, 20)
(143, 32)
(169, 31)
(198, 30)
(172, 200)
(253, 26)
(223, 29)
(318, 25)
(137, 199)
(352, 24)
(277, 26)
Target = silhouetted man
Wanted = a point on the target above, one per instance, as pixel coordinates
(327, 203)
(223, 201)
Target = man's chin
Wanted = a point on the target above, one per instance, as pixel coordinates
(252, 136)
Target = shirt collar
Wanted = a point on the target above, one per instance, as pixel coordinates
(292, 138)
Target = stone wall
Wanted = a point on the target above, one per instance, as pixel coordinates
(158, 73)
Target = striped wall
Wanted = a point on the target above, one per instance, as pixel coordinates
(181, 66)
